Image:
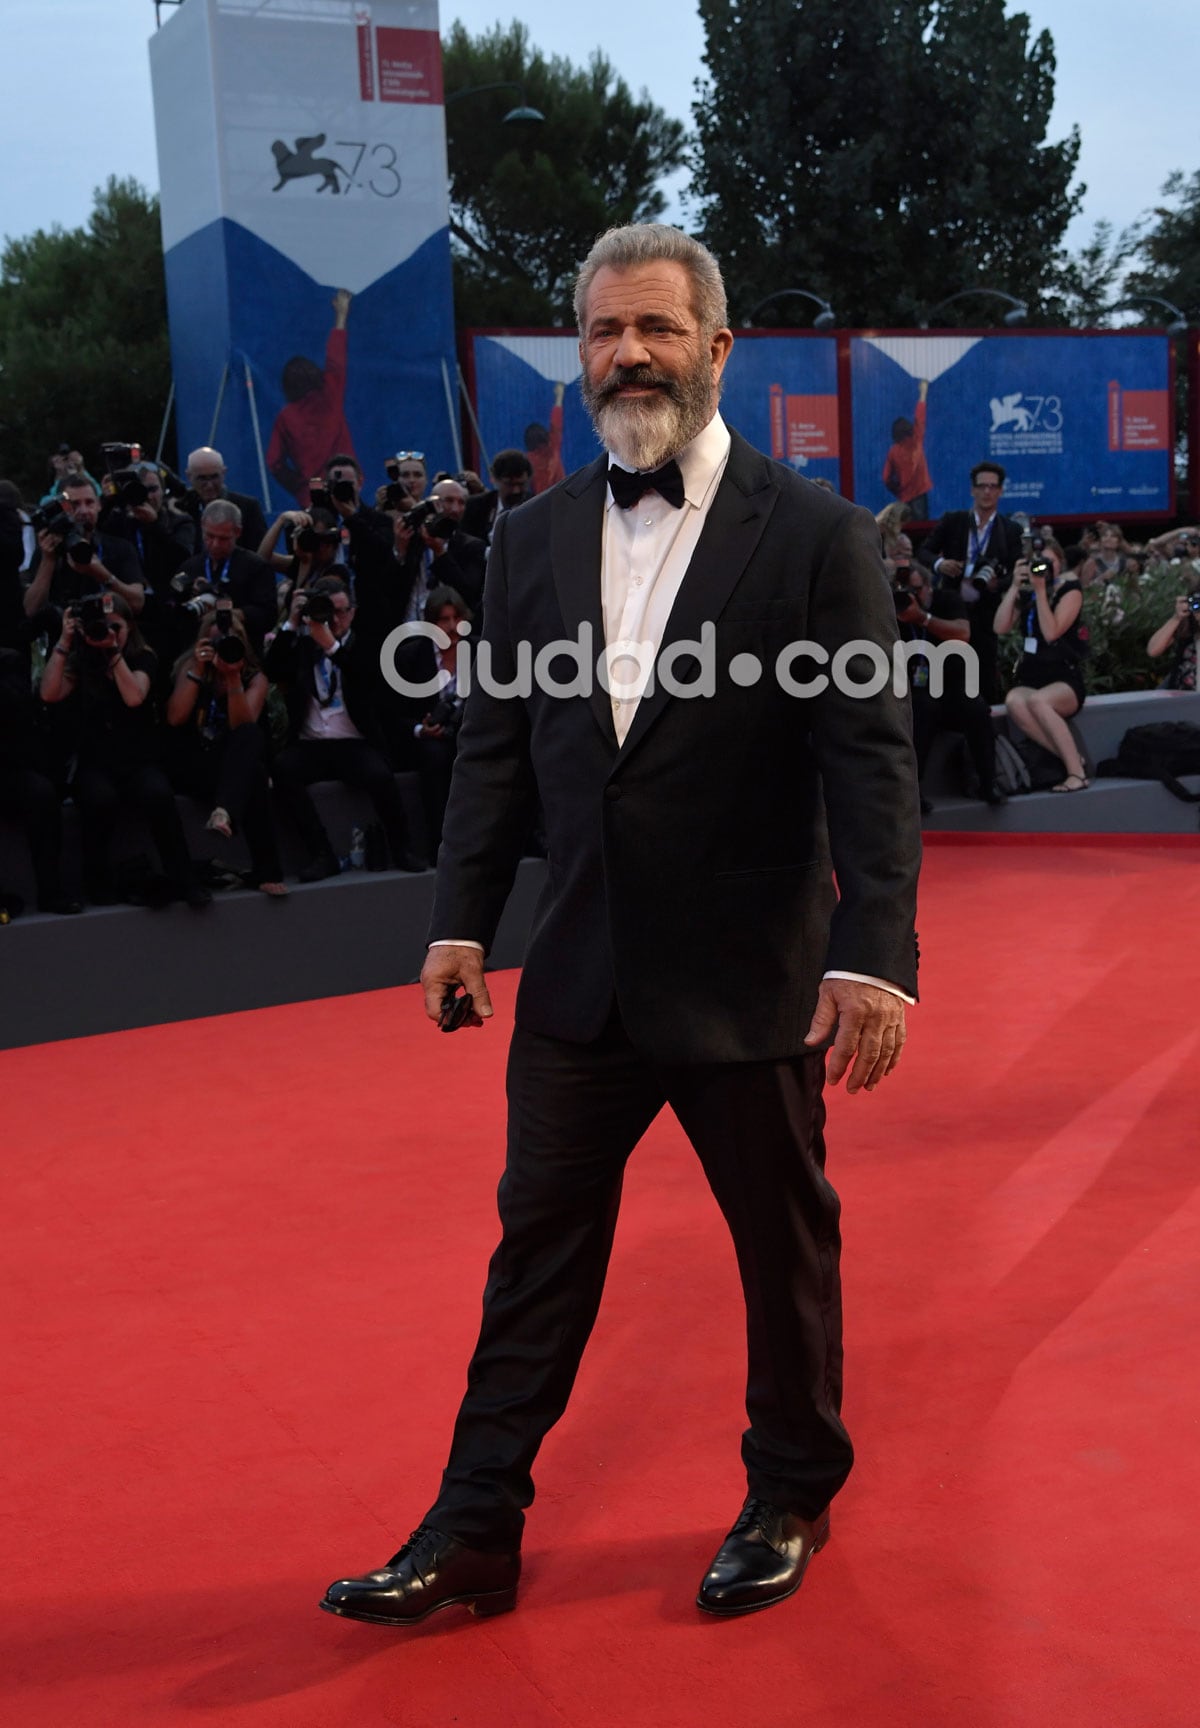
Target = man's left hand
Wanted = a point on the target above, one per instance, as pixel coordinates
(870, 1031)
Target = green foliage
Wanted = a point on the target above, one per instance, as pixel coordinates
(884, 156)
(1170, 247)
(527, 199)
(83, 335)
(1092, 280)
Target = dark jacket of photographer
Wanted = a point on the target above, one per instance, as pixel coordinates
(163, 546)
(951, 538)
(69, 583)
(385, 585)
(12, 556)
(101, 728)
(291, 662)
(248, 580)
(948, 604)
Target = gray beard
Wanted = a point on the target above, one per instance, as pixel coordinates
(644, 431)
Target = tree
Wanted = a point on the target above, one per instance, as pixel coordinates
(528, 199)
(1170, 248)
(1092, 281)
(884, 156)
(83, 335)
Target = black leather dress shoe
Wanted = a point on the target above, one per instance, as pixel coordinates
(762, 1560)
(431, 1571)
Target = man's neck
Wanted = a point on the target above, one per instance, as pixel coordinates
(984, 516)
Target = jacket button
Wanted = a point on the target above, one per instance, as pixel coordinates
(612, 793)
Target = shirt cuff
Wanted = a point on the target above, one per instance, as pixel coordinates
(452, 942)
(880, 983)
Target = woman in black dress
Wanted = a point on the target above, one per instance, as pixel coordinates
(1049, 687)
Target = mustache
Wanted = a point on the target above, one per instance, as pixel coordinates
(638, 378)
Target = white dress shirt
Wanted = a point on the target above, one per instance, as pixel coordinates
(645, 557)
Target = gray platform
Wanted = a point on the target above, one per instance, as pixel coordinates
(1106, 807)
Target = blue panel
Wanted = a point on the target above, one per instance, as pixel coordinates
(232, 297)
(1079, 423)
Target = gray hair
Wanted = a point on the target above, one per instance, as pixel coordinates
(656, 243)
(219, 512)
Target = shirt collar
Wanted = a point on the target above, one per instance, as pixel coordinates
(700, 462)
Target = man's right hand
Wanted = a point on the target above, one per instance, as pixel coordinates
(51, 544)
(446, 966)
(951, 567)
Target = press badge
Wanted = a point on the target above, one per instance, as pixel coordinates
(920, 675)
(1031, 644)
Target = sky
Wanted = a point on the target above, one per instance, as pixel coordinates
(1126, 77)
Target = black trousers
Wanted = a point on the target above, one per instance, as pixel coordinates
(98, 790)
(36, 797)
(575, 1114)
(953, 712)
(352, 761)
(232, 771)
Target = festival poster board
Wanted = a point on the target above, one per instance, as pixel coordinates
(302, 151)
(1082, 422)
(780, 393)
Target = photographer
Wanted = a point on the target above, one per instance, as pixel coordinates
(27, 785)
(426, 549)
(226, 569)
(218, 745)
(1049, 687)
(924, 614)
(102, 670)
(206, 485)
(78, 559)
(332, 683)
(1179, 632)
(366, 529)
(973, 551)
(139, 511)
(13, 633)
(435, 720)
(512, 472)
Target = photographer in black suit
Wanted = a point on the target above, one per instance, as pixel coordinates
(333, 687)
(689, 947)
(974, 551)
(206, 484)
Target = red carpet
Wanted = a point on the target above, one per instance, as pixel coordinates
(242, 1265)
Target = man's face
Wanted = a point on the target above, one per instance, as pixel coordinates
(154, 491)
(513, 488)
(650, 379)
(83, 507)
(343, 614)
(207, 480)
(918, 587)
(220, 538)
(986, 489)
(451, 499)
(412, 477)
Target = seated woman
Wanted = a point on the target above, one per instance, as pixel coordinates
(1049, 687)
(102, 670)
(219, 746)
(1111, 557)
(1179, 632)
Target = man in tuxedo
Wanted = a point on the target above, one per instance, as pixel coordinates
(977, 540)
(688, 949)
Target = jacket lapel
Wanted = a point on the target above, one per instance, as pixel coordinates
(576, 540)
(744, 501)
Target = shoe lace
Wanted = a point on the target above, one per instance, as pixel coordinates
(419, 1545)
(753, 1515)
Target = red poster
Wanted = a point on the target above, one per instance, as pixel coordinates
(1114, 415)
(812, 426)
(1145, 420)
(410, 65)
(777, 425)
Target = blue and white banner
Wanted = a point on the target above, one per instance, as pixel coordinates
(780, 394)
(302, 160)
(1080, 423)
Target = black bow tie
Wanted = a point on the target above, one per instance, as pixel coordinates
(667, 481)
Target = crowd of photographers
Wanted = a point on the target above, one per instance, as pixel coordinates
(979, 576)
(157, 637)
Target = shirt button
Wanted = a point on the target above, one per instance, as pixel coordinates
(648, 521)
(612, 793)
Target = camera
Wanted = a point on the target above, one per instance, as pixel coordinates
(200, 603)
(119, 456)
(312, 539)
(319, 498)
(95, 615)
(446, 713)
(318, 609)
(53, 519)
(80, 550)
(342, 492)
(1193, 601)
(392, 468)
(128, 489)
(229, 646)
(425, 515)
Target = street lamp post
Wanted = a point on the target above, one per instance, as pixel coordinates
(825, 319)
(1017, 313)
(522, 114)
(1179, 319)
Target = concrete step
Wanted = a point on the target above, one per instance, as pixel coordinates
(1105, 807)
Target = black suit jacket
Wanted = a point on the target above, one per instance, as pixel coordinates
(251, 586)
(254, 526)
(690, 869)
(950, 538)
(290, 663)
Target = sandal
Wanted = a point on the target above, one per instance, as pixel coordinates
(273, 890)
(220, 823)
(1081, 784)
